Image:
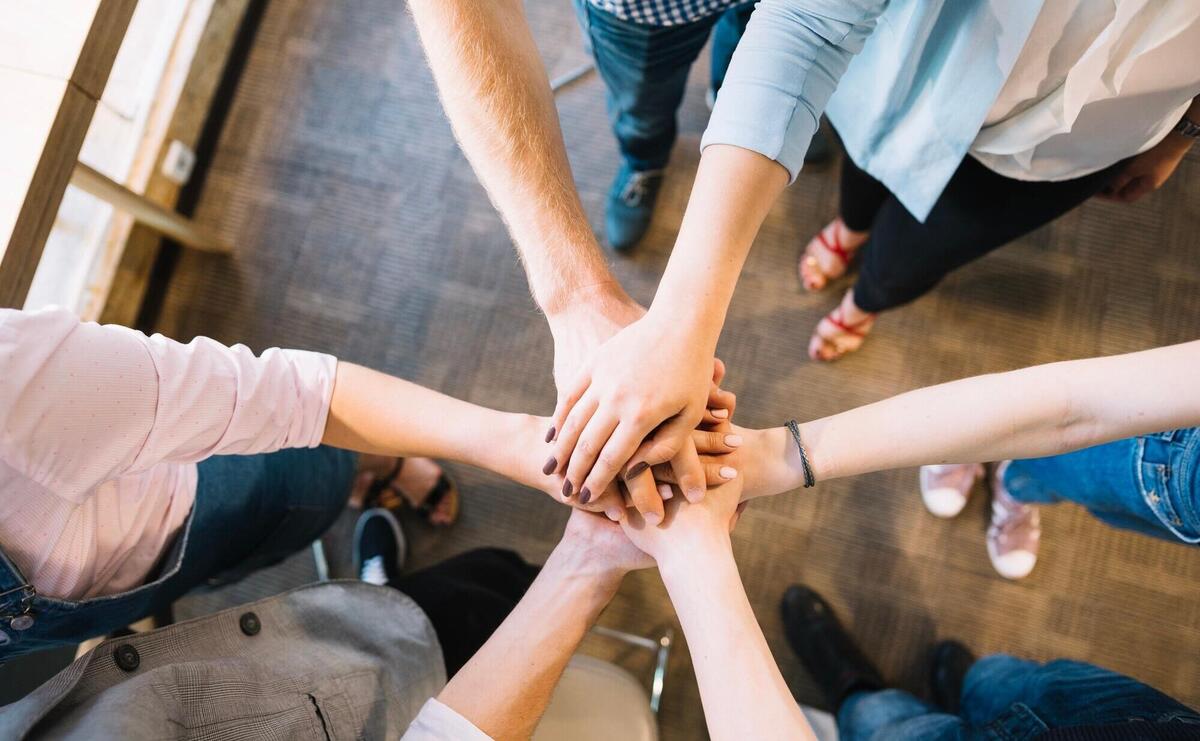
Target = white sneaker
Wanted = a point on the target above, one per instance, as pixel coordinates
(1015, 532)
(945, 489)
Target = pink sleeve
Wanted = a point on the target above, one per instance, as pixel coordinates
(83, 403)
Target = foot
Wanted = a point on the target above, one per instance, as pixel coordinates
(1014, 533)
(841, 331)
(827, 651)
(630, 206)
(409, 481)
(946, 488)
(829, 254)
(379, 547)
(950, 663)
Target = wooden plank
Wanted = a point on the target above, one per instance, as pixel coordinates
(137, 245)
(54, 124)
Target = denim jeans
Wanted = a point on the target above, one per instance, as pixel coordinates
(645, 70)
(1012, 699)
(1150, 484)
(250, 511)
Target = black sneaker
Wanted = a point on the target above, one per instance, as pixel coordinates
(827, 651)
(949, 663)
(630, 205)
(379, 547)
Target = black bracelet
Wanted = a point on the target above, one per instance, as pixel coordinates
(794, 428)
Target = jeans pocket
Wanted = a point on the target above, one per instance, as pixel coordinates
(1164, 495)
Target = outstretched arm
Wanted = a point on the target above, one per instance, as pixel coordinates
(504, 689)
(1037, 411)
(743, 693)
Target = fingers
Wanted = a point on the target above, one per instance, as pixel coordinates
(716, 442)
(662, 445)
(568, 434)
(718, 371)
(715, 472)
(565, 404)
(720, 407)
(587, 454)
(645, 497)
(610, 461)
(688, 472)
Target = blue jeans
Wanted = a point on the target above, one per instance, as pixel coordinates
(1150, 484)
(1012, 699)
(250, 512)
(645, 70)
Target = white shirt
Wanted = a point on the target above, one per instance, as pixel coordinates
(102, 430)
(1096, 82)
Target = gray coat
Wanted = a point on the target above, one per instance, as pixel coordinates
(333, 660)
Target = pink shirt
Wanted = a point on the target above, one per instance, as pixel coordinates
(102, 430)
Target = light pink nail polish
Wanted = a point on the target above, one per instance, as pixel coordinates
(733, 440)
(728, 472)
(720, 413)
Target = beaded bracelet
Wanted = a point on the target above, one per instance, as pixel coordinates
(794, 428)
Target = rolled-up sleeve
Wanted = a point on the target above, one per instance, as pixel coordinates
(783, 73)
(439, 722)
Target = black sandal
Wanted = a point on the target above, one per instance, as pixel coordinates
(383, 492)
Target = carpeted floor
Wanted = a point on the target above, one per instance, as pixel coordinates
(360, 230)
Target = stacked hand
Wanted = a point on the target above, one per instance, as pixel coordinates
(616, 418)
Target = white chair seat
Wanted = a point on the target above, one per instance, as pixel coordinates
(597, 701)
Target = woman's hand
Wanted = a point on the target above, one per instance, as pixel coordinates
(1148, 171)
(761, 459)
(688, 526)
(599, 543)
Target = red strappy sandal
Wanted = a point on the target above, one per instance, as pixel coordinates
(837, 319)
(835, 247)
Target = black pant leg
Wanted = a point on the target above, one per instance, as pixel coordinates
(466, 597)
(860, 197)
(978, 212)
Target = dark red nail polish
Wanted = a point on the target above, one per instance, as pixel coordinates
(638, 468)
(585, 495)
(567, 488)
(551, 464)
(550, 434)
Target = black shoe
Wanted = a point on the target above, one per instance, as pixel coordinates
(831, 656)
(630, 206)
(949, 663)
(379, 547)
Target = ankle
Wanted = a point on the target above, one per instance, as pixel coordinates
(848, 236)
(851, 314)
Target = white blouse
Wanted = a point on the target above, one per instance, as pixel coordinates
(1096, 82)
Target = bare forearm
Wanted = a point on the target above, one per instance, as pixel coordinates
(506, 686)
(743, 693)
(496, 93)
(373, 412)
(1043, 410)
(733, 191)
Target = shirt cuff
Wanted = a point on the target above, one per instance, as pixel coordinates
(439, 722)
(315, 373)
(762, 119)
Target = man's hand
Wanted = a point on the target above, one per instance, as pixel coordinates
(1148, 171)
(601, 545)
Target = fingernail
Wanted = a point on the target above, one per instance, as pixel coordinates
(551, 464)
(664, 491)
(585, 495)
(733, 440)
(652, 518)
(613, 514)
(637, 468)
(550, 434)
(720, 413)
(694, 495)
(728, 472)
(567, 488)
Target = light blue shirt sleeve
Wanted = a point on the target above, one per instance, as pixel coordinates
(784, 71)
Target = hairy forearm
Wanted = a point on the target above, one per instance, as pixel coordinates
(496, 93)
(372, 412)
(733, 191)
(1043, 410)
(743, 693)
(506, 686)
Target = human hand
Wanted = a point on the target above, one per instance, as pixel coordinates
(581, 326)
(634, 406)
(602, 545)
(689, 527)
(1148, 171)
(761, 459)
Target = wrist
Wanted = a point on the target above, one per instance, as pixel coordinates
(575, 566)
(697, 552)
(603, 294)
